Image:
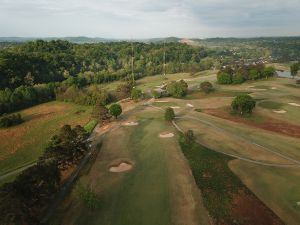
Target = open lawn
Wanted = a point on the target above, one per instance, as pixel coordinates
(159, 189)
(23, 144)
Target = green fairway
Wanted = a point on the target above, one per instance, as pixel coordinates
(148, 194)
(23, 144)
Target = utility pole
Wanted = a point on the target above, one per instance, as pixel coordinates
(164, 73)
(132, 61)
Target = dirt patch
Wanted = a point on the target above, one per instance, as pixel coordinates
(166, 135)
(247, 209)
(273, 88)
(293, 104)
(279, 111)
(268, 123)
(189, 105)
(130, 123)
(175, 107)
(120, 166)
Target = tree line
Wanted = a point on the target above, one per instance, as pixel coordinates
(43, 62)
(24, 200)
(238, 74)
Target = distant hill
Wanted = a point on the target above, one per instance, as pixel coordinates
(82, 39)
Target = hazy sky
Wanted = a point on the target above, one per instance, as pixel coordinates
(149, 18)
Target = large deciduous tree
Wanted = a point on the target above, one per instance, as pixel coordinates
(243, 104)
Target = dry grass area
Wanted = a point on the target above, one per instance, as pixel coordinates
(24, 143)
(259, 121)
(278, 188)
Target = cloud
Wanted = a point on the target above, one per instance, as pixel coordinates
(148, 18)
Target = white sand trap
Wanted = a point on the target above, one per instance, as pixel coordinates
(175, 107)
(298, 203)
(293, 104)
(279, 111)
(189, 105)
(258, 89)
(131, 123)
(122, 167)
(273, 88)
(162, 101)
(166, 135)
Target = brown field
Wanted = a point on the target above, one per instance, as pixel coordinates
(263, 122)
(23, 144)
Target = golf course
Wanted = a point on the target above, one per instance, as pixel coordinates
(141, 169)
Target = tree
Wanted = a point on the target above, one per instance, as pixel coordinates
(238, 78)
(189, 137)
(224, 78)
(136, 94)
(243, 104)
(269, 71)
(294, 69)
(206, 87)
(254, 74)
(169, 114)
(177, 89)
(115, 110)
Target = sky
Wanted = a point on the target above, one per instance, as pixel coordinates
(149, 18)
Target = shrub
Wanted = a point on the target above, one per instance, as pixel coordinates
(115, 110)
(243, 104)
(169, 114)
(224, 78)
(206, 87)
(10, 120)
(89, 127)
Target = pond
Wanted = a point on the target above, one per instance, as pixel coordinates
(284, 74)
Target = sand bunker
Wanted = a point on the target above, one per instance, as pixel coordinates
(258, 89)
(298, 203)
(293, 104)
(166, 135)
(279, 111)
(162, 101)
(189, 105)
(121, 167)
(273, 88)
(131, 123)
(175, 107)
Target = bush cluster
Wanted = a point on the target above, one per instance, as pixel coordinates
(10, 120)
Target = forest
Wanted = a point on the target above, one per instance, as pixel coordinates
(39, 71)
